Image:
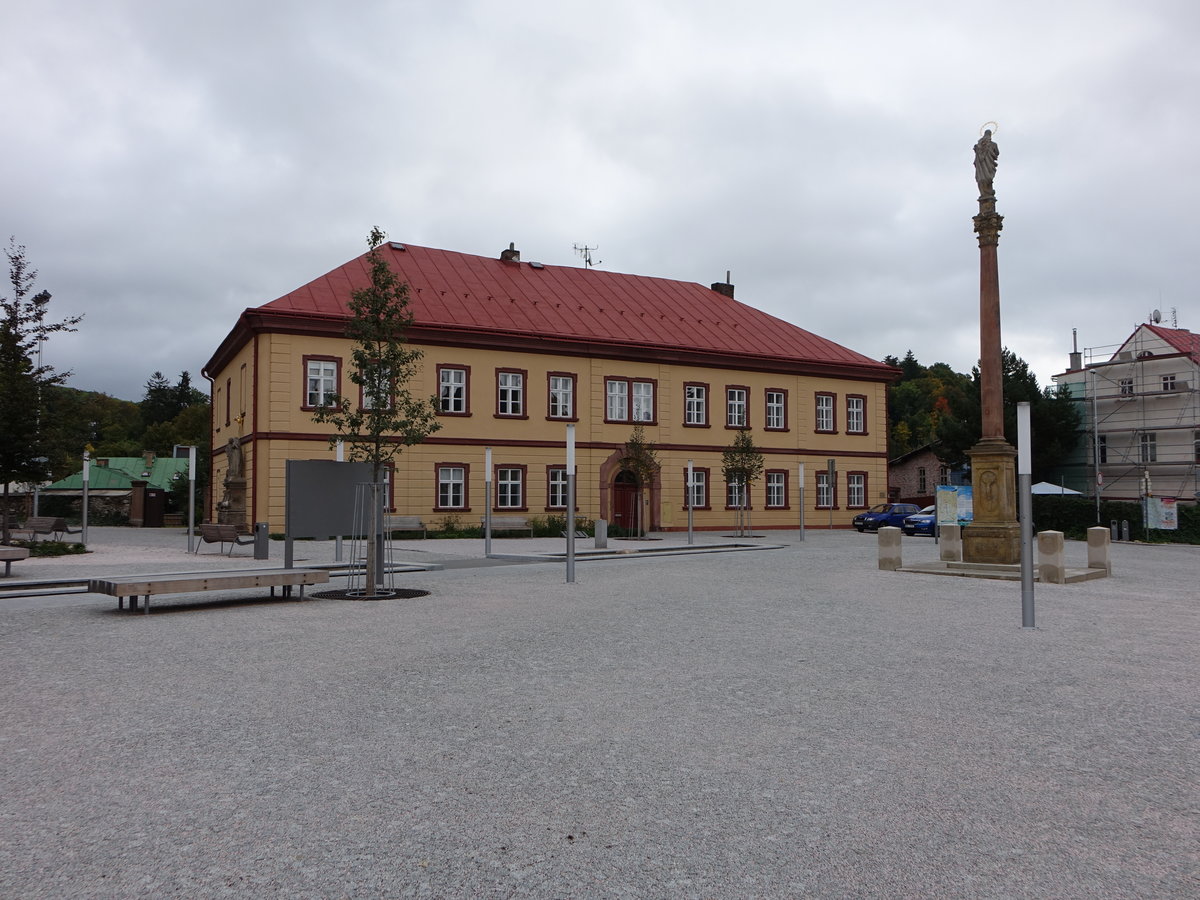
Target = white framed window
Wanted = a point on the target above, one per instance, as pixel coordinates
(510, 484)
(643, 401)
(1126, 385)
(510, 393)
(452, 390)
(616, 393)
(373, 382)
(1196, 443)
(699, 487)
(322, 382)
(556, 487)
(562, 397)
(776, 410)
(856, 489)
(824, 412)
(777, 489)
(735, 407)
(695, 404)
(735, 494)
(1168, 382)
(1148, 447)
(856, 414)
(1102, 447)
(824, 491)
(452, 481)
(627, 400)
(922, 481)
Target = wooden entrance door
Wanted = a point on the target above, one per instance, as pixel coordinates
(625, 495)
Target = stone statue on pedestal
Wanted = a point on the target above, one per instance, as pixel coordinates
(986, 155)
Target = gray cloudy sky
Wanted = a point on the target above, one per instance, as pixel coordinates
(168, 164)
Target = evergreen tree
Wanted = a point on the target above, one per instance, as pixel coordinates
(23, 379)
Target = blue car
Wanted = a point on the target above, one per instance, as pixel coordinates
(924, 522)
(885, 514)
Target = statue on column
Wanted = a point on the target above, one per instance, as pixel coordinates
(986, 155)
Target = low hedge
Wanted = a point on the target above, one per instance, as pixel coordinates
(1075, 515)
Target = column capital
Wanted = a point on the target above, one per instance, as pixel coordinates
(987, 226)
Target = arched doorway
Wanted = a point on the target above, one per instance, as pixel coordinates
(625, 502)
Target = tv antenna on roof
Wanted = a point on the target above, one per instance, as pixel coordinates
(586, 252)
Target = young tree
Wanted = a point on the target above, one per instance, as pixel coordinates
(389, 418)
(640, 459)
(23, 378)
(742, 464)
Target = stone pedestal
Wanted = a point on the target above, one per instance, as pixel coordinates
(993, 536)
(232, 508)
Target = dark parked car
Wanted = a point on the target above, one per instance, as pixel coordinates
(924, 522)
(885, 514)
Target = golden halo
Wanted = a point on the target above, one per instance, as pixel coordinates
(984, 127)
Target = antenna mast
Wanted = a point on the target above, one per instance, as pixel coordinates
(586, 252)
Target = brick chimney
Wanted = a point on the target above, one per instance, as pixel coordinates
(149, 456)
(512, 254)
(724, 288)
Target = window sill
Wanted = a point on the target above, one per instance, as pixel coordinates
(507, 416)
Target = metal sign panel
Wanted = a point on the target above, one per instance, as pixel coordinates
(320, 497)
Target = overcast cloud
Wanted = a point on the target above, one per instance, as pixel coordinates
(169, 164)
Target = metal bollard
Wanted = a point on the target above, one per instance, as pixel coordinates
(601, 534)
(262, 540)
(1116, 534)
(1125, 529)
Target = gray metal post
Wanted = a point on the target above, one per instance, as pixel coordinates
(801, 501)
(87, 462)
(337, 539)
(832, 467)
(191, 496)
(1096, 445)
(691, 479)
(487, 501)
(570, 504)
(1025, 503)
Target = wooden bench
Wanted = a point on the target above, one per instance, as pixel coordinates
(223, 534)
(405, 523)
(508, 523)
(134, 586)
(48, 525)
(11, 554)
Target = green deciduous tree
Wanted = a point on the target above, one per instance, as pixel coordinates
(23, 379)
(389, 418)
(742, 464)
(641, 459)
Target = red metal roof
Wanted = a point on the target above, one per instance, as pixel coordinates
(465, 293)
(1180, 338)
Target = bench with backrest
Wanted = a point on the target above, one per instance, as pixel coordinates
(508, 523)
(48, 525)
(223, 534)
(10, 554)
(404, 523)
(135, 586)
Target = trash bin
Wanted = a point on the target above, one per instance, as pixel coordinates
(262, 538)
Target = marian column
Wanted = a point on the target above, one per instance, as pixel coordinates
(994, 536)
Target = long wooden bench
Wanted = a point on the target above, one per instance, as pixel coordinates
(508, 523)
(135, 586)
(10, 554)
(48, 525)
(404, 523)
(222, 534)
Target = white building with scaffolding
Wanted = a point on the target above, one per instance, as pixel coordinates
(1141, 412)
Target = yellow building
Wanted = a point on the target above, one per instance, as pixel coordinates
(514, 351)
